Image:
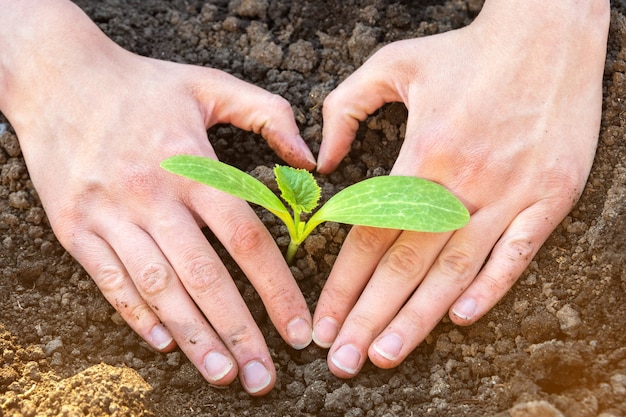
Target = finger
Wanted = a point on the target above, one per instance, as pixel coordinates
(230, 100)
(107, 271)
(511, 255)
(160, 286)
(253, 248)
(398, 274)
(210, 285)
(355, 264)
(362, 93)
(449, 272)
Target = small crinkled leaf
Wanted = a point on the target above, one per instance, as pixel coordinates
(395, 202)
(225, 178)
(298, 188)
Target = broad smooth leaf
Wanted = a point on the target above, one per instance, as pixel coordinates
(298, 187)
(225, 178)
(395, 202)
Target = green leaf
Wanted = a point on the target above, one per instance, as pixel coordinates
(395, 202)
(298, 188)
(226, 178)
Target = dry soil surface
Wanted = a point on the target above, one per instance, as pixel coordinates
(556, 345)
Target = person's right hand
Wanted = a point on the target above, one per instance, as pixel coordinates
(94, 121)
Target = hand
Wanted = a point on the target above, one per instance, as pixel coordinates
(94, 122)
(505, 113)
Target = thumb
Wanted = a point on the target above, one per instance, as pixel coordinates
(362, 93)
(227, 99)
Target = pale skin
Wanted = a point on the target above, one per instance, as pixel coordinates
(94, 121)
(505, 113)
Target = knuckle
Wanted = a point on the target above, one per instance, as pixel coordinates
(416, 320)
(64, 225)
(203, 274)
(279, 103)
(71, 221)
(336, 296)
(457, 263)
(365, 323)
(139, 182)
(279, 295)
(338, 101)
(330, 101)
(404, 261)
(514, 255)
(134, 313)
(114, 282)
(153, 279)
(239, 335)
(111, 279)
(496, 284)
(366, 240)
(264, 124)
(519, 249)
(247, 238)
(193, 334)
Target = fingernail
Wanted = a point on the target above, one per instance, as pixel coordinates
(256, 377)
(306, 151)
(160, 338)
(320, 157)
(389, 346)
(465, 309)
(347, 358)
(299, 333)
(217, 366)
(325, 332)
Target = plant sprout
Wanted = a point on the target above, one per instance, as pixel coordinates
(393, 202)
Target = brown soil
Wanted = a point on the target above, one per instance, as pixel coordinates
(556, 345)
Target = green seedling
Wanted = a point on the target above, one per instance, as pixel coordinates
(393, 202)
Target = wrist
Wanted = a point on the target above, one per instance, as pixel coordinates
(42, 43)
(545, 32)
(556, 16)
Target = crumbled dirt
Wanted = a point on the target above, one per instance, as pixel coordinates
(555, 346)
